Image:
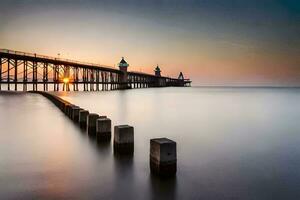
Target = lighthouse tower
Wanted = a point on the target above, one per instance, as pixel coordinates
(157, 71)
(123, 65)
(181, 77)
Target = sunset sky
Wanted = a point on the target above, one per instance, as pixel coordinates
(214, 42)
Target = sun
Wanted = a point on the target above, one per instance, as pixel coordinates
(66, 80)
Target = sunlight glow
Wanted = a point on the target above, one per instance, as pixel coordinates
(66, 80)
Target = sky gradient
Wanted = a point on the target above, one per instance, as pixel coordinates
(214, 42)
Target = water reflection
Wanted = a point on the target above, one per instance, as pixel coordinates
(162, 187)
(124, 183)
(104, 147)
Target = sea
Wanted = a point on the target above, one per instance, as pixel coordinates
(232, 143)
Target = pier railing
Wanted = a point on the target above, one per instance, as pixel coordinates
(34, 55)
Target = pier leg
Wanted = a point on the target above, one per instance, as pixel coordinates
(0, 73)
(34, 75)
(25, 76)
(8, 75)
(163, 157)
(16, 75)
(123, 139)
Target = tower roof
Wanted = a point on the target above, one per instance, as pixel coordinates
(181, 77)
(123, 61)
(157, 68)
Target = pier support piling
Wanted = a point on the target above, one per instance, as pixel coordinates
(103, 129)
(163, 157)
(75, 114)
(92, 119)
(83, 115)
(67, 109)
(72, 108)
(123, 139)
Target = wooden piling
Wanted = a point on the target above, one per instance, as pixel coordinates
(123, 139)
(75, 114)
(103, 129)
(83, 115)
(91, 122)
(163, 157)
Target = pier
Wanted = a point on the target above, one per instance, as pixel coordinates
(57, 74)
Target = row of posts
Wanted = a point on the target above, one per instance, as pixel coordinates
(163, 155)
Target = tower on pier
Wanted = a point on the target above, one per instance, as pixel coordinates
(123, 65)
(157, 71)
(181, 77)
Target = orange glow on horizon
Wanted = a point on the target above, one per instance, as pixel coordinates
(66, 80)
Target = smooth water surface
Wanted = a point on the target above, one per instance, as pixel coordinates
(232, 143)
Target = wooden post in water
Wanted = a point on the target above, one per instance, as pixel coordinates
(103, 129)
(91, 122)
(72, 108)
(163, 157)
(123, 139)
(75, 114)
(83, 115)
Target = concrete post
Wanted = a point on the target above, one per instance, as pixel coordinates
(123, 139)
(163, 157)
(83, 114)
(103, 128)
(92, 119)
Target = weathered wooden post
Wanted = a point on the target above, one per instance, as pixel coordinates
(64, 106)
(163, 156)
(92, 119)
(83, 114)
(72, 108)
(67, 110)
(103, 129)
(123, 139)
(75, 114)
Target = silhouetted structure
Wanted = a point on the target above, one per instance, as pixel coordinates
(123, 65)
(25, 68)
(157, 71)
(180, 77)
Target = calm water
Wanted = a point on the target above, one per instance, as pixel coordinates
(233, 143)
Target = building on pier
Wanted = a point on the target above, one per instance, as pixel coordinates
(180, 77)
(157, 71)
(123, 65)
